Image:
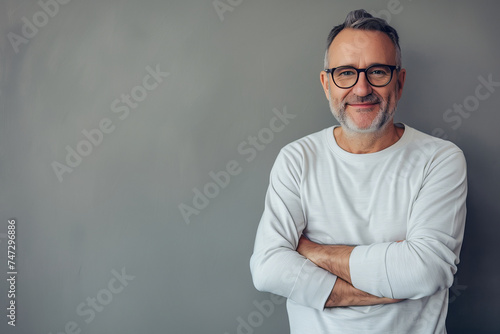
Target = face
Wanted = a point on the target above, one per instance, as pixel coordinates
(363, 108)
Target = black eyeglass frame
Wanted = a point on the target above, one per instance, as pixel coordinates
(359, 70)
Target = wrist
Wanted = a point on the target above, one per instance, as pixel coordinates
(335, 259)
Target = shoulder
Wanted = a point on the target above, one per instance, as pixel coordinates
(429, 144)
(307, 145)
(308, 148)
(435, 150)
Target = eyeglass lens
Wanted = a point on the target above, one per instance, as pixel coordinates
(378, 75)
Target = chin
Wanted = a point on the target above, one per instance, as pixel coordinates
(360, 130)
(385, 112)
(378, 124)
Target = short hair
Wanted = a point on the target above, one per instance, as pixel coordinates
(361, 19)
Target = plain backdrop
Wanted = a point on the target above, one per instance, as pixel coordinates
(232, 65)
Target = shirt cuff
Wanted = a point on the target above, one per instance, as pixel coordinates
(313, 286)
(368, 269)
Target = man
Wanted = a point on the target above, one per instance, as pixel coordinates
(363, 222)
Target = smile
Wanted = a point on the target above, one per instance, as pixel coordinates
(363, 105)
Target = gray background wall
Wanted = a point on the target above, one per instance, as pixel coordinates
(120, 206)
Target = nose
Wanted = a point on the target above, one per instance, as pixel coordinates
(362, 87)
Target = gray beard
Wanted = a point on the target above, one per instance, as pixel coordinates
(379, 123)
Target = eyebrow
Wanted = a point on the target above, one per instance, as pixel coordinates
(352, 65)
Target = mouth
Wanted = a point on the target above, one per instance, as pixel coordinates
(363, 105)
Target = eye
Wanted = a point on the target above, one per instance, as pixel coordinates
(379, 71)
(345, 72)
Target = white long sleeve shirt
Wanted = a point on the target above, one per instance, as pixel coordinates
(414, 190)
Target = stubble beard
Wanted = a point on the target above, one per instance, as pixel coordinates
(379, 123)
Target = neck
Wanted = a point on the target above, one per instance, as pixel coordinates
(362, 143)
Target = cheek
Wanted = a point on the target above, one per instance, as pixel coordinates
(388, 96)
(341, 96)
(336, 96)
(393, 97)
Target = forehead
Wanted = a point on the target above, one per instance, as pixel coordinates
(361, 48)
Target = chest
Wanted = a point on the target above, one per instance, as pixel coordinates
(359, 203)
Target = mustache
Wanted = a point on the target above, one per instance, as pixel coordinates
(362, 99)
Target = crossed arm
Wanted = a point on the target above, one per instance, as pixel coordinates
(366, 274)
(335, 259)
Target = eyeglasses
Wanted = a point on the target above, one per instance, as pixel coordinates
(347, 76)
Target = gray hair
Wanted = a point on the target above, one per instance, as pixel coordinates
(361, 19)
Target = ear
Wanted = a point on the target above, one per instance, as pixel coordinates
(401, 82)
(325, 82)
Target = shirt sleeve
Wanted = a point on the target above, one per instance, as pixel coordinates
(275, 264)
(426, 261)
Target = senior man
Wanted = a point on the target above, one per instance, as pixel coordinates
(363, 222)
